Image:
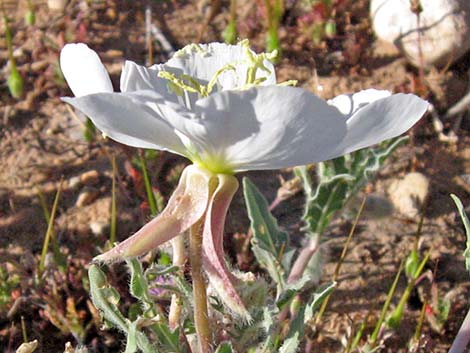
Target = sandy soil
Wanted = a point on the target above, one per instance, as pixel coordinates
(41, 142)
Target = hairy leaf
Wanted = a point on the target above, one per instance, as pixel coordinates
(269, 243)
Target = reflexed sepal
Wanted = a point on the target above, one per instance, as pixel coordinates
(186, 206)
(221, 279)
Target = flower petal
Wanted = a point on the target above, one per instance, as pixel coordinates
(128, 119)
(348, 104)
(266, 128)
(204, 60)
(221, 279)
(185, 207)
(381, 120)
(140, 78)
(83, 70)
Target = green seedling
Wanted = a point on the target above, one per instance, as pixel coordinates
(8, 283)
(50, 233)
(30, 16)
(274, 11)
(374, 337)
(14, 81)
(230, 32)
(395, 318)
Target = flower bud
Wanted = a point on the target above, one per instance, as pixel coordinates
(15, 83)
(330, 29)
(30, 18)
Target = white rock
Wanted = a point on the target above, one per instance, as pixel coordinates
(56, 5)
(444, 25)
(409, 194)
(90, 178)
(87, 196)
(98, 227)
(74, 182)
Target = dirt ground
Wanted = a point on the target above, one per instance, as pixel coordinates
(41, 143)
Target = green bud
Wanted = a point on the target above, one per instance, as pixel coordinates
(89, 131)
(295, 305)
(230, 33)
(15, 83)
(30, 17)
(330, 29)
(412, 264)
(395, 318)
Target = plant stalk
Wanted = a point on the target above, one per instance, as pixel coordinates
(201, 320)
(112, 231)
(179, 259)
(341, 259)
(303, 259)
(49, 232)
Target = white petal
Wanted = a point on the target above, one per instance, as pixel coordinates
(266, 128)
(126, 118)
(83, 70)
(348, 104)
(381, 120)
(137, 78)
(203, 61)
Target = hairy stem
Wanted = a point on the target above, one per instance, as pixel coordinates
(178, 260)
(302, 260)
(201, 320)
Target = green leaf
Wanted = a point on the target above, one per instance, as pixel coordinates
(327, 198)
(105, 298)
(295, 335)
(466, 224)
(131, 343)
(138, 285)
(318, 297)
(269, 243)
(291, 290)
(168, 339)
(225, 347)
(338, 180)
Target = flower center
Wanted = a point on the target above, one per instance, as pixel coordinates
(186, 87)
(183, 84)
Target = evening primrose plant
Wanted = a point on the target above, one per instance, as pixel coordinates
(220, 106)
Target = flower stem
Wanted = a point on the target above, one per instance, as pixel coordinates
(178, 260)
(201, 320)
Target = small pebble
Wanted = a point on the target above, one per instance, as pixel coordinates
(56, 5)
(87, 196)
(90, 178)
(18, 53)
(409, 194)
(98, 228)
(74, 182)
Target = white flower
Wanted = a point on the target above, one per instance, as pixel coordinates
(219, 106)
(232, 129)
